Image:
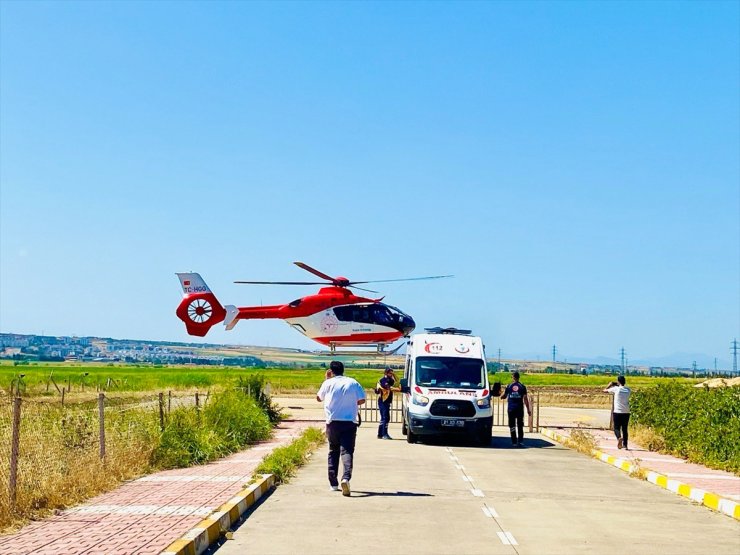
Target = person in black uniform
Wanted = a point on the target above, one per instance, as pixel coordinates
(385, 388)
(516, 393)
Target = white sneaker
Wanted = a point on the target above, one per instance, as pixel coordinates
(333, 488)
(345, 488)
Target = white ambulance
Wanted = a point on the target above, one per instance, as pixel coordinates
(445, 386)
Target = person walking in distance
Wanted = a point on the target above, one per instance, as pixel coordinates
(341, 396)
(621, 409)
(516, 393)
(385, 389)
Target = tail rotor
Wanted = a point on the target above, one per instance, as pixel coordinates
(199, 308)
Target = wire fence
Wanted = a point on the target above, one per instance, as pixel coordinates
(54, 454)
(369, 411)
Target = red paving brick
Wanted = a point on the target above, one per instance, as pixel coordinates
(148, 514)
(722, 483)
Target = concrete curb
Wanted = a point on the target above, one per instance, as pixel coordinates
(197, 540)
(708, 499)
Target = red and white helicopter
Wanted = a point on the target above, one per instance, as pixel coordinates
(334, 317)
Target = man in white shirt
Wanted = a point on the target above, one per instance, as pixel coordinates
(621, 410)
(341, 396)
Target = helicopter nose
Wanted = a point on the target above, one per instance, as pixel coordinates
(408, 325)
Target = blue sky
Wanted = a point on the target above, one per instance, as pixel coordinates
(576, 166)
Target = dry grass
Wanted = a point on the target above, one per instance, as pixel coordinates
(648, 438)
(582, 440)
(59, 459)
(637, 470)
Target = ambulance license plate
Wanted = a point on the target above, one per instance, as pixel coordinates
(453, 423)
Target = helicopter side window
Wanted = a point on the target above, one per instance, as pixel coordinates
(295, 303)
(344, 313)
(353, 313)
(381, 315)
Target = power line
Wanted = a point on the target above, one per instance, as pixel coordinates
(734, 357)
(623, 360)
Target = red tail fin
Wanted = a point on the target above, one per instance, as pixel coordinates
(199, 308)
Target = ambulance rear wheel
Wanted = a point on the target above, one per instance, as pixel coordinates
(404, 428)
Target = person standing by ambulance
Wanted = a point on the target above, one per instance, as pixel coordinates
(385, 389)
(516, 393)
(341, 396)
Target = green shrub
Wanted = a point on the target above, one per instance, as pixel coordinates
(228, 423)
(185, 442)
(701, 424)
(254, 386)
(238, 419)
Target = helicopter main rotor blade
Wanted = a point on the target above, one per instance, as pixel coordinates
(283, 282)
(402, 279)
(314, 271)
(363, 289)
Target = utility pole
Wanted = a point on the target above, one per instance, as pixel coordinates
(693, 369)
(554, 352)
(734, 357)
(499, 360)
(623, 360)
(715, 367)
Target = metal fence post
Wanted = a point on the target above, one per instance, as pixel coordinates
(538, 410)
(63, 390)
(531, 415)
(101, 417)
(197, 401)
(169, 401)
(161, 411)
(15, 444)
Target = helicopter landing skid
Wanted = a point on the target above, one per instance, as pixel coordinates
(379, 351)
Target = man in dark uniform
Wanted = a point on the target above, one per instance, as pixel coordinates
(385, 389)
(516, 393)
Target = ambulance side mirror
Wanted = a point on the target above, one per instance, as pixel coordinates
(405, 385)
(496, 389)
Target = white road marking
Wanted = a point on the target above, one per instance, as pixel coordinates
(477, 493)
(459, 467)
(467, 478)
(507, 538)
(490, 512)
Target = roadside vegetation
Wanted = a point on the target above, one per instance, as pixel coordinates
(59, 458)
(284, 461)
(700, 424)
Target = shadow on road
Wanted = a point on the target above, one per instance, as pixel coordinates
(356, 493)
(497, 442)
(533, 442)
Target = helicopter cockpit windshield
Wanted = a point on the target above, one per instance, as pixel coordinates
(376, 313)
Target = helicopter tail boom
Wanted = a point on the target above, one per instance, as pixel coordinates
(199, 308)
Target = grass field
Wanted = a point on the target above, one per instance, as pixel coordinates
(39, 379)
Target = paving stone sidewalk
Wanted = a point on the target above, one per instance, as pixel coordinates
(724, 484)
(144, 516)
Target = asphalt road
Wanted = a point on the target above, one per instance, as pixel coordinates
(455, 498)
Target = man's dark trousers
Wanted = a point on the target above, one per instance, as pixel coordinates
(516, 424)
(341, 435)
(621, 421)
(385, 417)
